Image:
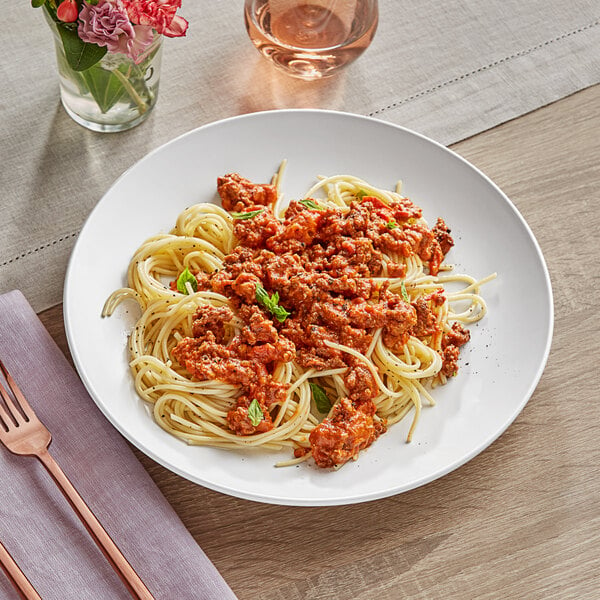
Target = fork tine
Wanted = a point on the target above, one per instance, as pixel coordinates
(5, 420)
(12, 408)
(9, 414)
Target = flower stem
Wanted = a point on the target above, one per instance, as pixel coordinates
(142, 106)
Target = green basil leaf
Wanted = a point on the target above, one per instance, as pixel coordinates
(246, 215)
(361, 194)
(37, 3)
(322, 402)
(262, 296)
(391, 225)
(255, 413)
(309, 203)
(186, 277)
(80, 55)
(271, 303)
(405, 295)
(280, 313)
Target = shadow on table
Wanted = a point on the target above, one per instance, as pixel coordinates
(76, 166)
(279, 91)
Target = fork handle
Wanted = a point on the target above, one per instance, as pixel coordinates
(115, 557)
(16, 576)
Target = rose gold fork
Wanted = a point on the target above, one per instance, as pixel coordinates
(16, 576)
(23, 433)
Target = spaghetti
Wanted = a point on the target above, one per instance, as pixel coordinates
(313, 326)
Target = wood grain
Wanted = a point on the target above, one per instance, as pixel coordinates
(522, 519)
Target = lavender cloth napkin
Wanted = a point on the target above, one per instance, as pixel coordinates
(36, 523)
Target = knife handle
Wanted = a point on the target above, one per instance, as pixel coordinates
(16, 576)
(115, 557)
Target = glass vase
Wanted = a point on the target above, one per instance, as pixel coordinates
(113, 95)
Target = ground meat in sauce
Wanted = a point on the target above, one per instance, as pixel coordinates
(206, 359)
(254, 232)
(212, 319)
(238, 193)
(441, 231)
(340, 437)
(451, 343)
(426, 319)
(361, 385)
(320, 263)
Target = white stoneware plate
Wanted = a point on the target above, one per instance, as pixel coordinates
(500, 366)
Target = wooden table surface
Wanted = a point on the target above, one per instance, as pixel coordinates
(522, 519)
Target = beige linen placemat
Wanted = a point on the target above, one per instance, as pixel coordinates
(445, 68)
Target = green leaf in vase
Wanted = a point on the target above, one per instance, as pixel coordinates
(80, 55)
(105, 87)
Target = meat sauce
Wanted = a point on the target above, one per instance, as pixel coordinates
(320, 263)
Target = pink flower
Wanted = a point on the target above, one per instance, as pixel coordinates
(135, 46)
(67, 11)
(159, 14)
(107, 24)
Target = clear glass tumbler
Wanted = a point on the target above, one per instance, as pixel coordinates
(311, 39)
(113, 95)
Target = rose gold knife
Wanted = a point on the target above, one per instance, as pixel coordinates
(16, 576)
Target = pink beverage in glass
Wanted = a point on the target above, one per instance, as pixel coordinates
(311, 39)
